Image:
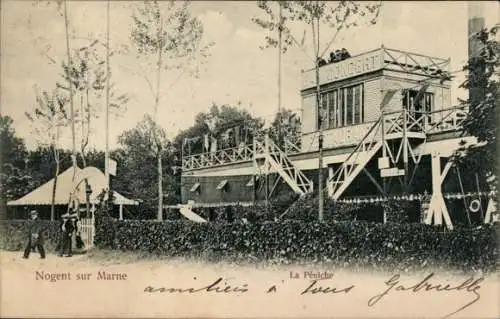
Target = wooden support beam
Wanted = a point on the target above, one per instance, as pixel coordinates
(445, 171)
(374, 181)
(121, 212)
(437, 207)
(274, 186)
(491, 212)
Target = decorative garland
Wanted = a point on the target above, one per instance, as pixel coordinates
(411, 197)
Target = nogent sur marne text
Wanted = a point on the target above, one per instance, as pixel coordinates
(82, 276)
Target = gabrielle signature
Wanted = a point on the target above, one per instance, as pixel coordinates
(470, 285)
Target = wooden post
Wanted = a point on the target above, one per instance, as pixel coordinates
(121, 212)
(108, 87)
(229, 214)
(211, 214)
(404, 140)
(437, 205)
(254, 190)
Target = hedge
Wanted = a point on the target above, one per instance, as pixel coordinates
(13, 234)
(403, 246)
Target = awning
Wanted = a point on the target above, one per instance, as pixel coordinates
(195, 187)
(189, 214)
(222, 184)
(96, 179)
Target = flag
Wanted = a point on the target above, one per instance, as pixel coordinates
(112, 167)
(191, 140)
(237, 135)
(211, 122)
(226, 136)
(214, 144)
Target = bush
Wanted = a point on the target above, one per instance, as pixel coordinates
(347, 243)
(14, 234)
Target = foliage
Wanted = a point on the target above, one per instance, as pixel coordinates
(334, 15)
(13, 178)
(397, 211)
(87, 78)
(139, 157)
(170, 29)
(13, 234)
(174, 37)
(484, 104)
(217, 122)
(286, 126)
(49, 116)
(400, 247)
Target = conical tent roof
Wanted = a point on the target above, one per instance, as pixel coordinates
(96, 179)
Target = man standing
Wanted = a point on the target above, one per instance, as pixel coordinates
(35, 236)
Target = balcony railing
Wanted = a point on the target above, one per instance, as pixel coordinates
(439, 121)
(220, 157)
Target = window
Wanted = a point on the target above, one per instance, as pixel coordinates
(333, 108)
(349, 106)
(418, 104)
(342, 107)
(323, 113)
(424, 104)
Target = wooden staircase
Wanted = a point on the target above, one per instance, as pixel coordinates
(390, 126)
(276, 160)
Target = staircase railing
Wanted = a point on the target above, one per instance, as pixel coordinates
(294, 177)
(367, 144)
(389, 125)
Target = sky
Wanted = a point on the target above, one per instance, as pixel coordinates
(238, 71)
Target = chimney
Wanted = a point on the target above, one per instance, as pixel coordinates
(475, 24)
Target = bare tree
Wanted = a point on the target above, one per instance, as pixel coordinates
(88, 77)
(171, 35)
(48, 117)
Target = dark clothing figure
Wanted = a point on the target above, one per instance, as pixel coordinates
(345, 54)
(35, 238)
(321, 62)
(68, 229)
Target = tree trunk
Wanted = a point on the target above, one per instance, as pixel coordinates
(71, 103)
(158, 144)
(3, 198)
(85, 141)
(54, 186)
(320, 121)
(160, 188)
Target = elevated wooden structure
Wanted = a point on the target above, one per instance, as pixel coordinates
(383, 113)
